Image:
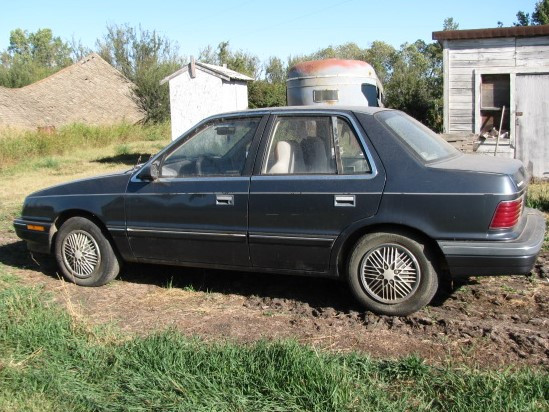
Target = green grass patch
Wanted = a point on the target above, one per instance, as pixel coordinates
(123, 149)
(538, 196)
(48, 163)
(52, 361)
(18, 146)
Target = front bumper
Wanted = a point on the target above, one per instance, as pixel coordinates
(38, 240)
(514, 257)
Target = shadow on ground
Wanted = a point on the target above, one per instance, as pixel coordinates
(18, 256)
(127, 159)
(316, 292)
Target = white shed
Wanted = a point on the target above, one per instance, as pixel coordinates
(199, 90)
(496, 77)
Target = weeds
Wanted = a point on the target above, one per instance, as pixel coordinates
(169, 283)
(509, 289)
(122, 149)
(48, 163)
(18, 145)
(538, 196)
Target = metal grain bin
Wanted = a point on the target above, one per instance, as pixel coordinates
(333, 81)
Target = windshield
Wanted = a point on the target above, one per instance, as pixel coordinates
(422, 140)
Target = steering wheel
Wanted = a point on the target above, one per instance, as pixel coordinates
(205, 166)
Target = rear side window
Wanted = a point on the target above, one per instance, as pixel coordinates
(422, 140)
(301, 145)
(351, 155)
(314, 145)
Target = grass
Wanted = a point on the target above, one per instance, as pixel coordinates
(538, 196)
(72, 152)
(21, 145)
(123, 149)
(50, 360)
(48, 163)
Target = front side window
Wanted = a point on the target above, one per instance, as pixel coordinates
(313, 145)
(218, 148)
(422, 140)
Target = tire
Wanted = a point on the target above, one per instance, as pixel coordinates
(83, 253)
(384, 288)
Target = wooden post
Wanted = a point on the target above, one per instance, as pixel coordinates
(499, 131)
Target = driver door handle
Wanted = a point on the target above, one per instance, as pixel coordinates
(344, 201)
(224, 200)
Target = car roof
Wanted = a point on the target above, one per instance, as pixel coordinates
(316, 108)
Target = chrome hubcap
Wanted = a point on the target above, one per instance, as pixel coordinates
(390, 273)
(81, 253)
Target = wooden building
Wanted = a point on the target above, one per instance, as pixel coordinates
(500, 77)
(199, 90)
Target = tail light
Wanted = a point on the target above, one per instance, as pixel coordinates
(507, 214)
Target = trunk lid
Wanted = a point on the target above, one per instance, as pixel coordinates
(487, 164)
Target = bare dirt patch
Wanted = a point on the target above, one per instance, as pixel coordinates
(483, 321)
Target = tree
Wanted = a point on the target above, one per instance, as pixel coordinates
(275, 72)
(239, 61)
(271, 91)
(262, 93)
(408, 89)
(145, 58)
(450, 24)
(541, 13)
(32, 56)
(382, 57)
(539, 16)
(78, 50)
(523, 19)
(40, 47)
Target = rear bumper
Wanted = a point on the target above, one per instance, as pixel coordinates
(37, 240)
(514, 257)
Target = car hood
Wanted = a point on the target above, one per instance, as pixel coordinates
(486, 164)
(105, 184)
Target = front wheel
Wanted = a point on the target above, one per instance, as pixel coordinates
(391, 274)
(83, 254)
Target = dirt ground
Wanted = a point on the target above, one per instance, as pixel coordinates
(495, 322)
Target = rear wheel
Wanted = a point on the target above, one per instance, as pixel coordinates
(391, 274)
(84, 256)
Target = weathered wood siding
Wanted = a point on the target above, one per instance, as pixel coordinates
(533, 125)
(463, 57)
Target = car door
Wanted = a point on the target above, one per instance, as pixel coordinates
(316, 176)
(197, 210)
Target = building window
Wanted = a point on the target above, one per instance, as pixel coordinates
(495, 102)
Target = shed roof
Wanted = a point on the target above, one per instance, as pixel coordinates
(518, 31)
(90, 91)
(218, 71)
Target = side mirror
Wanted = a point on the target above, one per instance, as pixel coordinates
(150, 172)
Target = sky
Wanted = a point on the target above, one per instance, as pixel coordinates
(279, 28)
